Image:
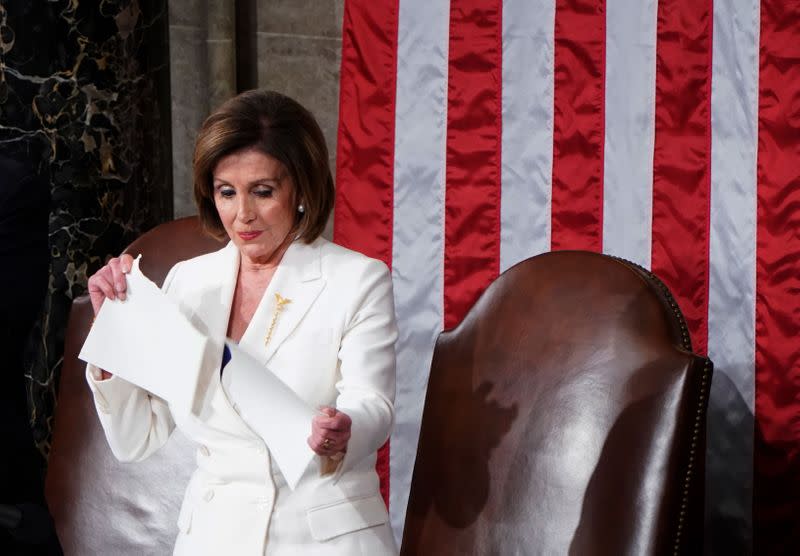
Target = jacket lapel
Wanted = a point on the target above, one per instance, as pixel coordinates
(214, 301)
(210, 303)
(297, 282)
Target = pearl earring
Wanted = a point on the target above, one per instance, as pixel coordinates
(301, 209)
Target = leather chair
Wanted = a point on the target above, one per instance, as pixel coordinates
(99, 505)
(564, 415)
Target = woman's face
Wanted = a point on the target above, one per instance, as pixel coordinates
(255, 199)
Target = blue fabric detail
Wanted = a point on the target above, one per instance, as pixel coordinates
(226, 356)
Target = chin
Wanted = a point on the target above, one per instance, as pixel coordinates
(254, 252)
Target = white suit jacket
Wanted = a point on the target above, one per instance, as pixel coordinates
(333, 344)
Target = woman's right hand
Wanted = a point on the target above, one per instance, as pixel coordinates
(109, 282)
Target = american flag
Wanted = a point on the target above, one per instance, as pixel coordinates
(474, 134)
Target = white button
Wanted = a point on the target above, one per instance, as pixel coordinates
(205, 451)
(103, 407)
(209, 494)
(261, 450)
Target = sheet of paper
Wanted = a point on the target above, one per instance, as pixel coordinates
(147, 341)
(273, 410)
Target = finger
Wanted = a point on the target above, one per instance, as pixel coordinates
(336, 439)
(330, 449)
(336, 448)
(118, 279)
(328, 423)
(328, 410)
(319, 447)
(101, 284)
(328, 439)
(339, 423)
(344, 420)
(317, 425)
(335, 420)
(103, 274)
(315, 447)
(99, 296)
(125, 263)
(330, 427)
(317, 432)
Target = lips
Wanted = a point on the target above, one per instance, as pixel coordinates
(247, 236)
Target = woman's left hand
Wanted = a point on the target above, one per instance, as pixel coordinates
(330, 432)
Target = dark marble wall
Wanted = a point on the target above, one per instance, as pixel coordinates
(84, 93)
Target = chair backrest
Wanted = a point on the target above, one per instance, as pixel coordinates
(564, 415)
(101, 506)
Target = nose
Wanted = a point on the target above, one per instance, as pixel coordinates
(244, 210)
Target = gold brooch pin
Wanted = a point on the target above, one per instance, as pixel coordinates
(280, 304)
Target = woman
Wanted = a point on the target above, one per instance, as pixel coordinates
(317, 315)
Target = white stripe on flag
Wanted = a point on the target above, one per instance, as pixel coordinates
(418, 243)
(527, 143)
(732, 278)
(629, 129)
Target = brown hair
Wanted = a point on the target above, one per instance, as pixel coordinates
(280, 127)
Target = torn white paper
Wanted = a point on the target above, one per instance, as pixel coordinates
(272, 410)
(147, 341)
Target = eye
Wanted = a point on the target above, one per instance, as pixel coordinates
(263, 192)
(226, 192)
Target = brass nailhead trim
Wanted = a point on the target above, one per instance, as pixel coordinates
(692, 452)
(686, 343)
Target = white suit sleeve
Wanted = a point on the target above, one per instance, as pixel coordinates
(136, 423)
(367, 356)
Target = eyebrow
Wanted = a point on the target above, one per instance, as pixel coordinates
(259, 181)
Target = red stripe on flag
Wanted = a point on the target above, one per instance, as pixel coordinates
(682, 158)
(474, 114)
(578, 125)
(363, 218)
(776, 496)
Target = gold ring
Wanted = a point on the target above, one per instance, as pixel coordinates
(326, 443)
